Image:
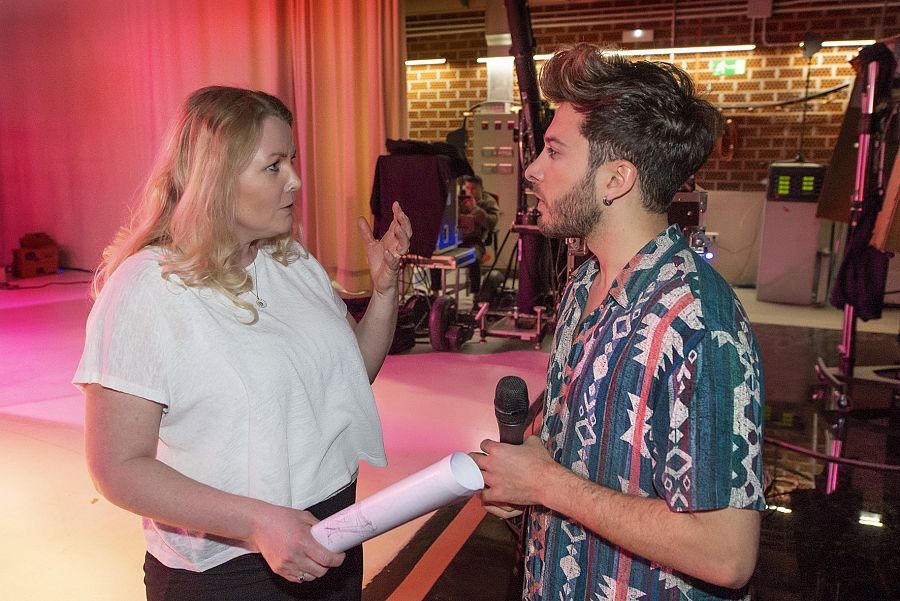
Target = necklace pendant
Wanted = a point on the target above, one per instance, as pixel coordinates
(261, 303)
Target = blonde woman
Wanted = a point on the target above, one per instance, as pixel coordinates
(227, 388)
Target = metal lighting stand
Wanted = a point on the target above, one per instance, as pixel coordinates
(526, 320)
(840, 381)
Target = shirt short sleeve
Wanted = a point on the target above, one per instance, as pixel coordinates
(709, 444)
(128, 338)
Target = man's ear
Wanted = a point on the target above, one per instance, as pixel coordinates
(619, 178)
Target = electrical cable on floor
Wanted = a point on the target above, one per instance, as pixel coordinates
(8, 286)
(881, 467)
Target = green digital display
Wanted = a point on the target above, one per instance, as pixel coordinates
(795, 182)
(784, 184)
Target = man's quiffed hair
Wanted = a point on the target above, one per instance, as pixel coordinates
(640, 111)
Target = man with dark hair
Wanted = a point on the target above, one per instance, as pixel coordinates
(478, 215)
(645, 482)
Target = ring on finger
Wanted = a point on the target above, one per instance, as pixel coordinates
(302, 576)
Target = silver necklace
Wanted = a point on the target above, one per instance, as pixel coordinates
(259, 302)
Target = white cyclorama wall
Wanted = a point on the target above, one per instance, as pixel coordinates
(736, 220)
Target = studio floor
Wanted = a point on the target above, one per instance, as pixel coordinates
(61, 540)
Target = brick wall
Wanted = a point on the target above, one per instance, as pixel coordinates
(776, 70)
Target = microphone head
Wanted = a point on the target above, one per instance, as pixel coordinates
(511, 401)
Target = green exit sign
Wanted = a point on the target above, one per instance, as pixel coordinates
(728, 66)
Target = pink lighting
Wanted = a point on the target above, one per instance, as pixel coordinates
(431, 404)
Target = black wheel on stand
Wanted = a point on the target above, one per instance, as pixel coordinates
(454, 337)
(418, 306)
(490, 287)
(506, 301)
(442, 316)
(546, 300)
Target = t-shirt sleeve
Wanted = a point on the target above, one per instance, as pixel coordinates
(127, 337)
(709, 444)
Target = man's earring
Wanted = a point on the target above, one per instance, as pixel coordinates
(607, 201)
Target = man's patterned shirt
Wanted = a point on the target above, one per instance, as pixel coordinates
(656, 393)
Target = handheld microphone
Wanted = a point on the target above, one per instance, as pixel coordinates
(511, 408)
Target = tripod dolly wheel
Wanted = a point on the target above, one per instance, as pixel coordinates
(442, 316)
(491, 287)
(418, 307)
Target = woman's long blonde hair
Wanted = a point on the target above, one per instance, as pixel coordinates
(188, 204)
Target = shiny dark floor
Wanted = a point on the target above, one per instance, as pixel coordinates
(818, 551)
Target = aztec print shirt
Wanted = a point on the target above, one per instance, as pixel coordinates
(658, 394)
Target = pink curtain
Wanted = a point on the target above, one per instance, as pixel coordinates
(342, 125)
(90, 87)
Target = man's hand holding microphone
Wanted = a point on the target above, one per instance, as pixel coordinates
(512, 468)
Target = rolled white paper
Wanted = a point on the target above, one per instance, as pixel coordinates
(453, 478)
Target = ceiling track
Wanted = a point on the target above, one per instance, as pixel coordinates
(655, 13)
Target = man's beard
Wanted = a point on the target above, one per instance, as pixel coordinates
(576, 213)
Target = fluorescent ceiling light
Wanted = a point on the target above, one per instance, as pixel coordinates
(494, 58)
(685, 50)
(637, 35)
(426, 61)
(702, 49)
(867, 518)
(498, 39)
(838, 43)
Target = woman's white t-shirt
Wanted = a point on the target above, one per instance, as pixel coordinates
(280, 410)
